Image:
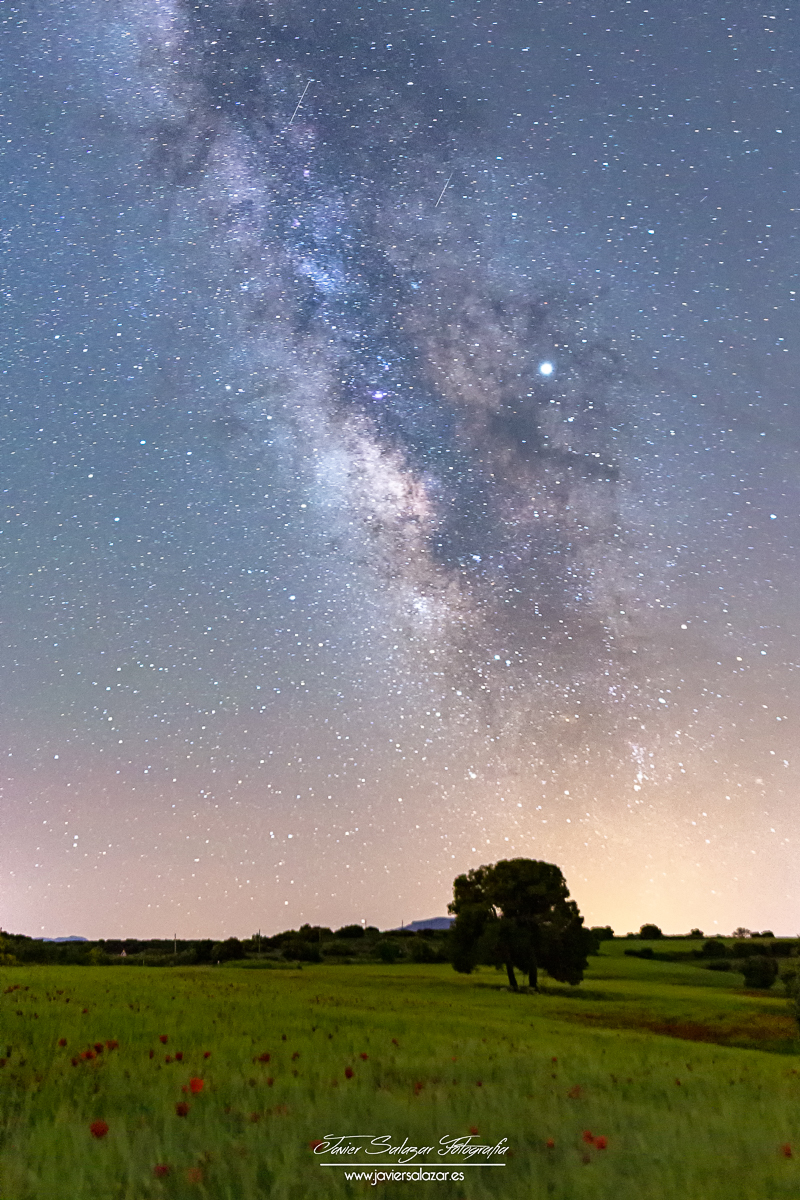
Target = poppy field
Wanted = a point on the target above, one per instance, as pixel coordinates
(139, 1083)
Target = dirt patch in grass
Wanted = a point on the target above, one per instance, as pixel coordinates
(760, 1031)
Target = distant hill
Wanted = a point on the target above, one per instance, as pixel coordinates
(431, 923)
(72, 938)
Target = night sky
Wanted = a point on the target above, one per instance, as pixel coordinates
(399, 445)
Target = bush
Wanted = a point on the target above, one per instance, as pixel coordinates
(299, 951)
(648, 932)
(759, 971)
(337, 949)
(782, 949)
(204, 951)
(314, 933)
(225, 951)
(389, 952)
(422, 951)
(599, 934)
(713, 949)
(603, 933)
(350, 931)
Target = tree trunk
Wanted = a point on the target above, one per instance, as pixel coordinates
(533, 976)
(512, 979)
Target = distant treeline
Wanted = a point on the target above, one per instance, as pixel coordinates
(759, 960)
(309, 943)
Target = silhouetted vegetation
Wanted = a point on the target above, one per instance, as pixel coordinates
(517, 913)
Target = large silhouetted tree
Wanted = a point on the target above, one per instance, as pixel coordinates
(517, 913)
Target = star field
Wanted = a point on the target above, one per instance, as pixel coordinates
(399, 458)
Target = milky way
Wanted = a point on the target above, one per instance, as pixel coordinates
(399, 462)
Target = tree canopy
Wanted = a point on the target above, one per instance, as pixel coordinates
(517, 913)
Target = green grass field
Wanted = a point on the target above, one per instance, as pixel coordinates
(657, 1058)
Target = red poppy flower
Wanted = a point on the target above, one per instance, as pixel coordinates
(297, 1055)
(588, 1137)
(99, 1047)
(550, 1143)
(160, 1170)
(182, 1108)
(163, 1038)
(62, 1041)
(112, 1045)
(74, 1062)
(207, 1054)
(554, 1060)
(364, 1056)
(473, 1129)
(152, 1053)
(179, 1056)
(167, 1058)
(194, 1175)
(98, 1129)
(270, 1081)
(575, 1093)
(601, 1142)
(786, 1150)
(195, 1085)
(314, 1145)
(263, 1057)
(88, 1054)
(85, 1010)
(479, 1083)
(418, 1086)
(348, 1072)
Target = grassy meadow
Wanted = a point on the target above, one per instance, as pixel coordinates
(651, 1080)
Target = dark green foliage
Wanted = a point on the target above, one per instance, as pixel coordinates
(297, 950)
(718, 964)
(388, 951)
(790, 978)
(204, 950)
(228, 950)
(423, 950)
(602, 933)
(350, 931)
(713, 949)
(337, 949)
(746, 949)
(695, 933)
(759, 971)
(648, 932)
(645, 952)
(517, 913)
(314, 933)
(782, 949)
